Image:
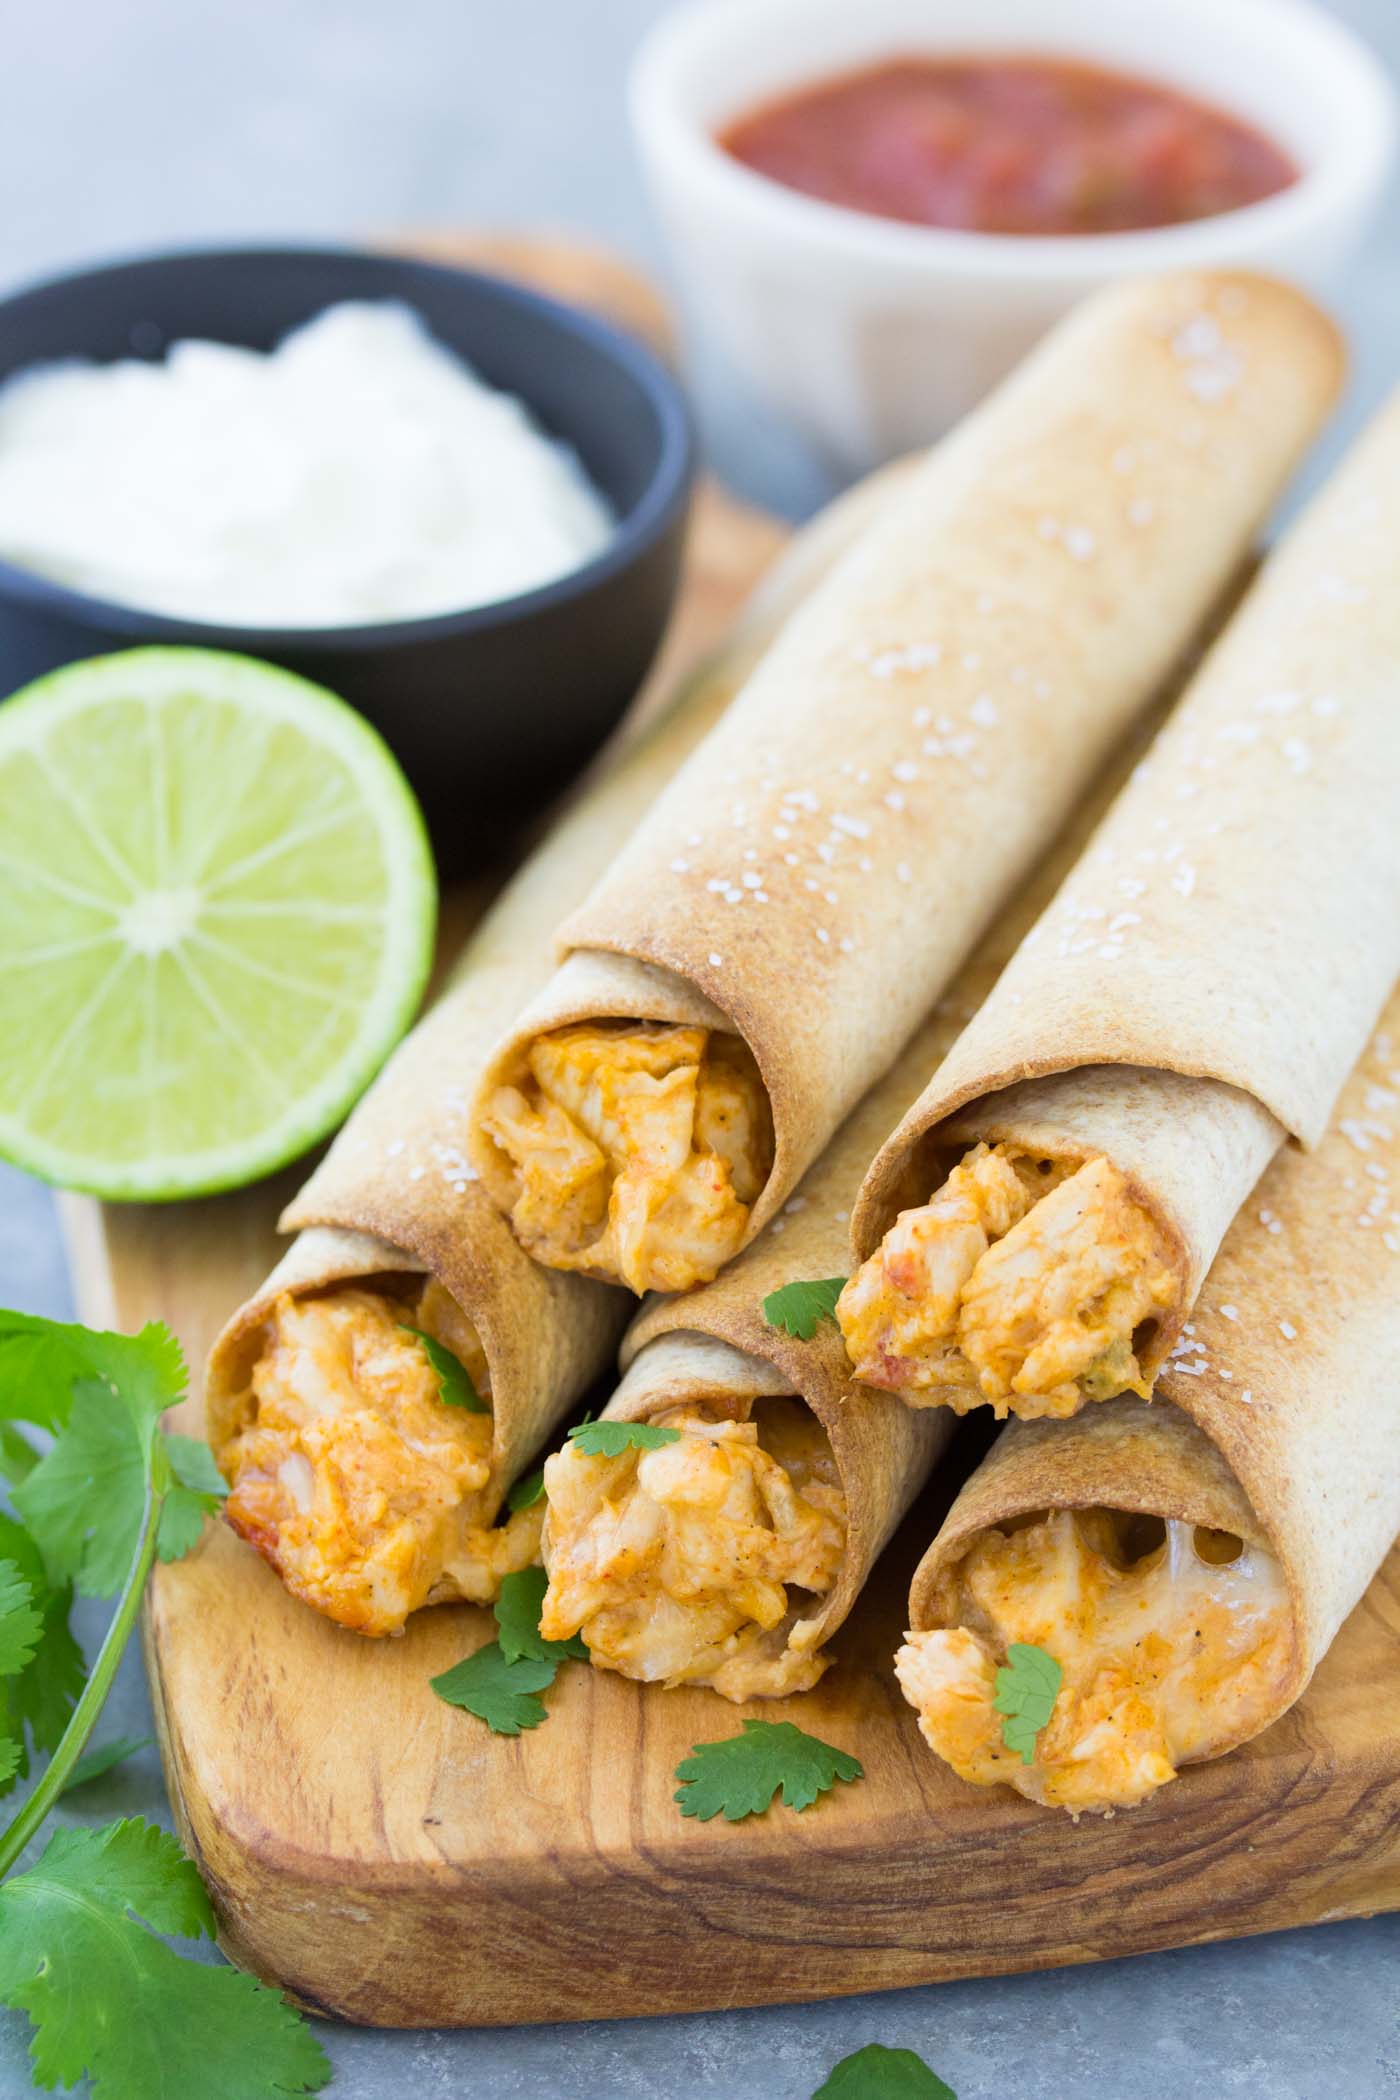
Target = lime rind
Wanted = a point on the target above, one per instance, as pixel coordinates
(381, 800)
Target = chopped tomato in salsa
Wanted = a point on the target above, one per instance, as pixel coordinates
(1010, 145)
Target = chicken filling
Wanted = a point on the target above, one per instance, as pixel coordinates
(352, 1477)
(632, 1151)
(699, 1562)
(1025, 1283)
(1175, 1644)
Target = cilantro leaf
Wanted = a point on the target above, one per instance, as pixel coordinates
(41, 1697)
(877, 2073)
(527, 1492)
(41, 1361)
(21, 1630)
(21, 1626)
(199, 1492)
(611, 1439)
(1026, 1694)
(739, 1776)
(103, 1394)
(518, 1620)
(111, 2002)
(84, 1499)
(497, 1691)
(104, 1758)
(455, 1387)
(799, 1308)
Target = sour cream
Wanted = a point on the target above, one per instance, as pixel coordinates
(359, 472)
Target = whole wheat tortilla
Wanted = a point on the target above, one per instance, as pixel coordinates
(395, 1195)
(1211, 967)
(1277, 1417)
(815, 874)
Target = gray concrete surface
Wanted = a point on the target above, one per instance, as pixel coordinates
(155, 122)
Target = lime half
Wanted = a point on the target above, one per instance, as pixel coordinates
(217, 908)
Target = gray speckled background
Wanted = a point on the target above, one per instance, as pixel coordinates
(127, 126)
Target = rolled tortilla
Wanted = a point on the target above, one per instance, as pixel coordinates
(772, 934)
(731, 1557)
(1198, 991)
(367, 1494)
(1274, 1432)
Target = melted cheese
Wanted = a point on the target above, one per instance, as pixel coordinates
(635, 1151)
(352, 1477)
(676, 1564)
(1022, 1284)
(1167, 1658)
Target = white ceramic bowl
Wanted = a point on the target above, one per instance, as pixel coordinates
(873, 336)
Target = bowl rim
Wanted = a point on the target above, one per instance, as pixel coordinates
(1352, 165)
(665, 493)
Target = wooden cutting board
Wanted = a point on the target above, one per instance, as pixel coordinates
(386, 1860)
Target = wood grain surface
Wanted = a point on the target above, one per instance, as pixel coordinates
(387, 1860)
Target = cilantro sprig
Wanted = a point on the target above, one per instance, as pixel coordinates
(455, 1386)
(877, 2073)
(111, 2002)
(499, 1692)
(611, 1439)
(500, 1683)
(799, 1308)
(108, 2000)
(739, 1776)
(1026, 1690)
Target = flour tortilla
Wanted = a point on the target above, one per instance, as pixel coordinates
(1213, 965)
(815, 874)
(395, 1197)
(1277, 1418)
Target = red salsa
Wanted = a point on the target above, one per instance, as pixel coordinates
(1010, 145)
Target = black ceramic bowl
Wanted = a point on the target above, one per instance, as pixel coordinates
(490, 711)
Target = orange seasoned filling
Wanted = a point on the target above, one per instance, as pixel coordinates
(1175, 1643)
(693, 1563)
(349, 1473)
(1022, 1284)
(633, 1151)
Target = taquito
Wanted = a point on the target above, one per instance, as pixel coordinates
(774, 931)
(1187, 1563)
(1036, 1229)
(368, 1493)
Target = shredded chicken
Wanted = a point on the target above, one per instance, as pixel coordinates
(352, 1477)
(1022, 1283)
(677, 1564)
(633, 1151)
(1173, 1648)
